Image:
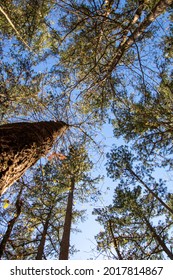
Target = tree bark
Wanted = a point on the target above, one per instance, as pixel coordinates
(11, 224)
(22, 144)
(65, 242)
(43, 237)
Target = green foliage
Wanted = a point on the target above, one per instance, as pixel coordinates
(168, 42)
(85, 63)
(26, 21)
(148, 124)
(45, 198)
(126, 224)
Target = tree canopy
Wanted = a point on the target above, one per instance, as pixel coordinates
(86, 65)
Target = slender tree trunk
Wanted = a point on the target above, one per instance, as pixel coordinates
(43, 237)
(65, 242)
(11, 224)
(115, 242)
(132, 23)
(22, 144)
(149, 190)
(158, 239)
(127, 42)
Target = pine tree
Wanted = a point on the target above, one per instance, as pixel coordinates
(21, 145)
(11, 223)
(130, 229)
(41, 246)
(75, 169)
(65, 242)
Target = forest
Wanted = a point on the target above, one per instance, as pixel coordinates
(86, 129)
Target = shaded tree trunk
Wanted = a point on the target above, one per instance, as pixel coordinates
(158, 239)
(65, 242)
(43, 237)
(22, 144)
(11, 224)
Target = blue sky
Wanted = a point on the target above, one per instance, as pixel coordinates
(84, 241)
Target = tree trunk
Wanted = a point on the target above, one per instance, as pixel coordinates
(22, 144)
(65, 242)
(115, 241)
(127, 42)
(149, 190)
(11, 224)
(43, 238)
(158, 239)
